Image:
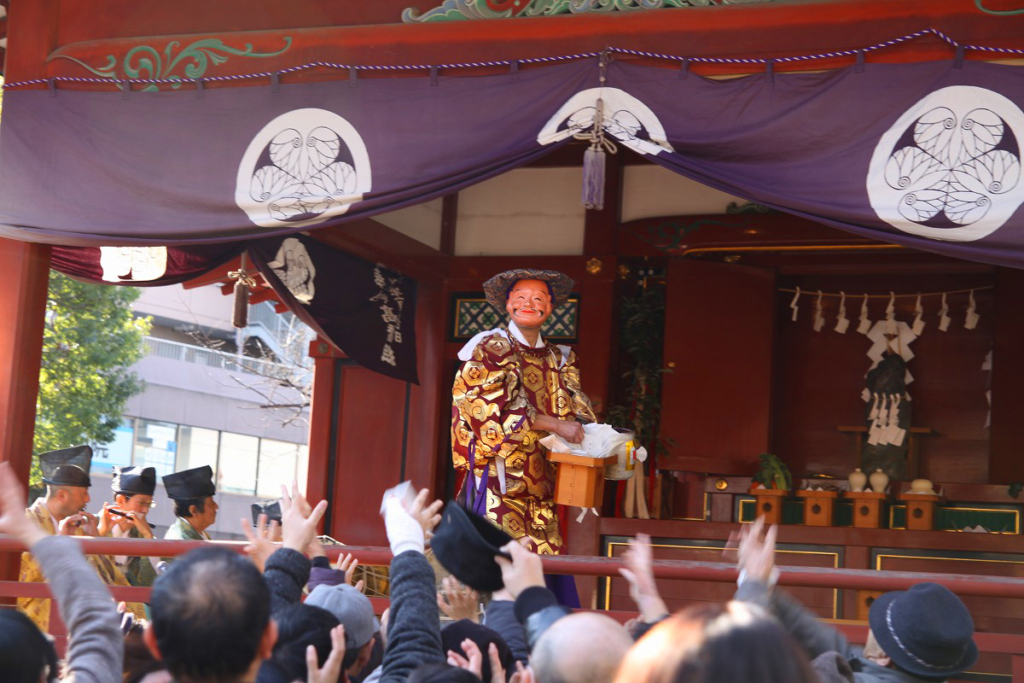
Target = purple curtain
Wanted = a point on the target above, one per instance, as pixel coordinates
(925, 155)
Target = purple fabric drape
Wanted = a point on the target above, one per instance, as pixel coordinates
(925, 155)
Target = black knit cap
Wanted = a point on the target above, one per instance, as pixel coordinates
(466, 545)
(67, 466)
(134, 480)
(926, 631)
(188, 484)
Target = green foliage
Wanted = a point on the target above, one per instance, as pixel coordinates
(641, 333)
(90, 340)
(773, 473)
(1014, 489)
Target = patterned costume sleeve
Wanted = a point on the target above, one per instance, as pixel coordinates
(490, 400)
(581, 406)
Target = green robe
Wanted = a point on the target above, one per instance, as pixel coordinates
(181, 530)
(138, 570)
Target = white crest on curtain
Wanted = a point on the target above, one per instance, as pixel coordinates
(302, 168)
(949, 168)
(627, 119)
(295, 269)
(133, 264)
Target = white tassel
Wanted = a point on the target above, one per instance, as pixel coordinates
(593, 178)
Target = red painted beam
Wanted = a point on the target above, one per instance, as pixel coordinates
(768, 30)
(992, 586)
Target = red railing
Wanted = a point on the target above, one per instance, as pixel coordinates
(961, 584)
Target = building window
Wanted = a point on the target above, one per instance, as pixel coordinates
(278, 461)
(116, 453)
(238, 457)
(156, 445)
(198, 447)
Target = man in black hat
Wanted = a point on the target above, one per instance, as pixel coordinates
(922, 634)
(66, 475)
(126, 518)
(192, 492)
(513, 389)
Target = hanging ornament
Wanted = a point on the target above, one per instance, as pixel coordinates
(944, 318)
(865, 323)
(972, 317)
(595, 157)
(842, 322)
(918, 326)
(819, 317)
(244, 281)
(792, 304)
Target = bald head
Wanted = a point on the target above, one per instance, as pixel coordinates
(580, 648)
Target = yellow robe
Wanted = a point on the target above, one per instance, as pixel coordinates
(38, 609)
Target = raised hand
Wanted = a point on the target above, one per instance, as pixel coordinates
(458, 601)
(756, 551)
(331, 671)
(298, 519)
(13, 520)
(260, 546)
(523, 571)
(639, 572)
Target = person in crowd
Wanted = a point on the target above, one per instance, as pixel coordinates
(66, 475)
(714, 642)
(211, 609)
(564, 647)
(355, 612)
(922, 634)
(298, 627)
(414, 634)
(95, 648)
(194, 507)
(480, 639)
(126, 518)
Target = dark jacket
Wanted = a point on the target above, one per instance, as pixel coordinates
(500, 615)
(414, 631)
(286, 572)
(816, 637)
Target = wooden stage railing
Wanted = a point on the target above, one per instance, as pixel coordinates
(962, 584)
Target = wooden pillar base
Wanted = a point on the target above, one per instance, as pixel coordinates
(867, 508)
(819, 507)
(769, 504)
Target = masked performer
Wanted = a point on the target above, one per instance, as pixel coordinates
(512, 390)
(66, 475)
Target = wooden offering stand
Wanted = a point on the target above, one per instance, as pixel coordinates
(819, 506)
(579, 481)
(769, 504)
(920, 510)
(867, 508)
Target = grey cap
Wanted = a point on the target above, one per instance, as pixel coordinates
(353, 609)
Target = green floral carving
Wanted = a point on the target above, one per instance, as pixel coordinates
(457, 10)
(146, 62)
(668, 235)
(999, 12)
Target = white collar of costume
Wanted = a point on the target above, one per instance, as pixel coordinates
(467, 351)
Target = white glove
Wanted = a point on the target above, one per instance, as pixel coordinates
(404, 532)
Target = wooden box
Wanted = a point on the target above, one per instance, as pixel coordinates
(769, 504)
(579, 481)
(867, 508)
(819, 507)
(920, 510)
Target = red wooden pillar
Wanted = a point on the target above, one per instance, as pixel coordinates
(26, 269)
(325, 389)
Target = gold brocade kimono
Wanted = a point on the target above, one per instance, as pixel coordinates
(496, 397)
(38, 609)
